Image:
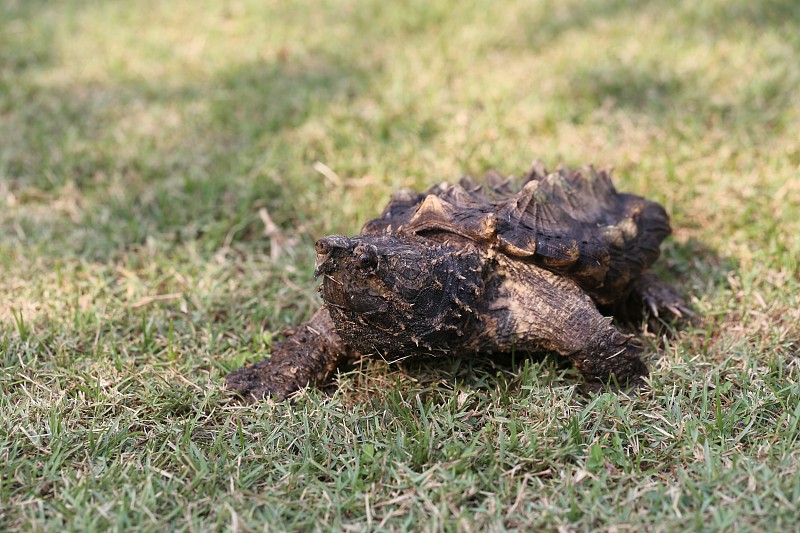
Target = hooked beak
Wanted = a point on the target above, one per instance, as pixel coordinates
(328, 250)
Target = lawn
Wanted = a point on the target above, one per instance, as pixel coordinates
(165, 168)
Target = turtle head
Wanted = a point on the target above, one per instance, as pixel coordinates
(336, 252)
(367, 272)
(391, 292)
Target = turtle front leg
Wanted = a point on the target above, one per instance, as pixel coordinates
(535, 309)
(609, 357)
(310, 354)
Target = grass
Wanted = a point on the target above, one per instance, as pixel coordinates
(142, 145)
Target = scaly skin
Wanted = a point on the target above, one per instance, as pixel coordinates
(455, 298)
(534, 309)
(399, 297)
(309, 356)
(474, 269)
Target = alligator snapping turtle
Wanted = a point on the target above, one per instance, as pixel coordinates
(511, 264)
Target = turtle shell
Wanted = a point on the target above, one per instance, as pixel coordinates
(572, 222)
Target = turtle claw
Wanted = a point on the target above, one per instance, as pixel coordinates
(257, 382)
(651, 305)
(309, 355)
(661, 300)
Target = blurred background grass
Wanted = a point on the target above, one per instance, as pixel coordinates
(142, 144)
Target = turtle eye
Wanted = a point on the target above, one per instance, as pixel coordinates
(366, 255)
(367, 260)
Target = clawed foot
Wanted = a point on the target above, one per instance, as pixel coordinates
(309, 356)
(660, 302)
(611, 359)
(664, 301)
(260, 381)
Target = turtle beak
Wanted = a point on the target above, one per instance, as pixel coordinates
(329, 249)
